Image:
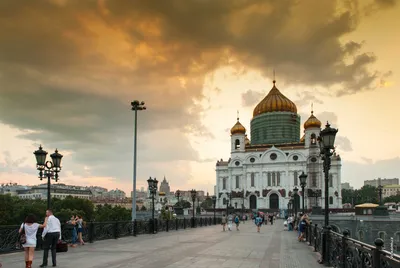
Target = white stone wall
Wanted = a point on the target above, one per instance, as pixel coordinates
(284, 164)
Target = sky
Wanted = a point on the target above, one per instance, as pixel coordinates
(69, 70)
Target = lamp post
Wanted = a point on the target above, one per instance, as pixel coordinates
(380, 187)
(326, 144)
(303, 183)
(178, 194)
(49, 169)
(295, 203)
(214, 200)
(194, 195)
(136, 106)
(153, 191)
(227, 203)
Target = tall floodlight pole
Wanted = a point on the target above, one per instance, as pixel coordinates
(136, 106)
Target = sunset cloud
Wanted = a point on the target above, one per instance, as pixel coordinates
(69, 69)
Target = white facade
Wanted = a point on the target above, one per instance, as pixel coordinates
(275, 178)
(263, 176)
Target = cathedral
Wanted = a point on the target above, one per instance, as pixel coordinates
(263, 172)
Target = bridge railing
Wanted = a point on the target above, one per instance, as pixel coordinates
(95, 231)
(345, 252)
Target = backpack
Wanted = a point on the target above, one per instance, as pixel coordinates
(236, 219)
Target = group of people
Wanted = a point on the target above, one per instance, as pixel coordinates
(259, 219)
(51, 235)
(298, 224)
(77, 230)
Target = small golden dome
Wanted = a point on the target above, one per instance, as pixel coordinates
(246, 141)
(303, 139)
(238, 128)
(312, 121)
(275, 101)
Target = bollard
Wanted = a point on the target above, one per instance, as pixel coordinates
(134, 228)
(167, 225)
(377, 252)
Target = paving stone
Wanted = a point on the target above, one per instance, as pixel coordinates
(207, 247)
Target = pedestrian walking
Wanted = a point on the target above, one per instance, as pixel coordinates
(29, 229)
(237, 222)
(223, 222)
(51, 234)
(230, 220)
(258, 221)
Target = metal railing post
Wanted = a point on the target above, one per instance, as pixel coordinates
(134, 228)
(344, 248)
(377, 253)
(91, 232)
(167, 225)
(315, 237)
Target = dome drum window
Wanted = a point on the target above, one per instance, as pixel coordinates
(252, 160)
(237, 163)
(273, 156)
(295, 158)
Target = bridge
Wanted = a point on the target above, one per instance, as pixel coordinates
(207, 245)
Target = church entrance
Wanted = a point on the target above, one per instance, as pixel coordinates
(253, 202)
(274, 201)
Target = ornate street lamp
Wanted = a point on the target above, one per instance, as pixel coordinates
(214, 200)
(326, 144)
(178, 194)
(303, 183)
(136, 106)
(49, 169)
(153, 191)
(194, 195)
(295, 203)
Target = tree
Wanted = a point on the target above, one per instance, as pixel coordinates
(392, 199)
(183, 204)
(367, 194)
(143, 208)
(208, 203)
(348, 196)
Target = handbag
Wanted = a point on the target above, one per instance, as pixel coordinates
(22, 236)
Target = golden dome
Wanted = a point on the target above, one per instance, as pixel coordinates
(275, 101)
(246, 141)
(303, 139)
(312, 121)
(238, 128)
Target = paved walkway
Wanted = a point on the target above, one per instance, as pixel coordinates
(201, 247)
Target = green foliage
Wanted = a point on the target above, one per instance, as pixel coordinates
(165, 214)
(13, 210)
(143, 208)
(392, 199)
(367, 194)
(183, 204)
(208, 203)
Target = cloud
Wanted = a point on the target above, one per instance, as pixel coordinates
(307, 98)
(343, 144)
(69, 69)
(251, 98)
(356, 173)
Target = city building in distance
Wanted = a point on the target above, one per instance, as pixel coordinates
(347, 186)
(261, 173)
(383, 182)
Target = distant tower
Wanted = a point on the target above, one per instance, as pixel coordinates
(238, 137)
(312, 128)
(164, 186)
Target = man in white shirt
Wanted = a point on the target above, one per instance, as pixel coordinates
(51, 234)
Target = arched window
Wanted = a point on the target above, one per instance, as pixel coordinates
(237, 181)
(237, 144)
(330, 180)
(223, 183)
(295, 177)
(382, 235)
(273, 179)
(252, 179)
(278, 179)
(331, 200)
(224, 201)
(313, 139)
(269, 178)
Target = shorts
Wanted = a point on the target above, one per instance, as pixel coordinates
(80, 230)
